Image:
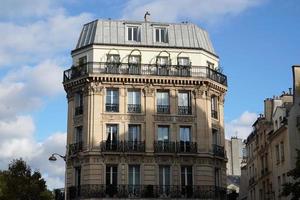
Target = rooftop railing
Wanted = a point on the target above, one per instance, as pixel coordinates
(144, 69)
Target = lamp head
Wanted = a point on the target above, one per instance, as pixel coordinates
(52, 158)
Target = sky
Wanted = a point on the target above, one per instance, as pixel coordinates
(257, 42)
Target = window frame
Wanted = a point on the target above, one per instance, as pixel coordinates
(160, 37)
(138, 33)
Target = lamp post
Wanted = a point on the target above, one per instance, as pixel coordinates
(52, 158)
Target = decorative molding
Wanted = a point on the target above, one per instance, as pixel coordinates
(174, 119)
(149, 90)
(78, 120)
(123, 117)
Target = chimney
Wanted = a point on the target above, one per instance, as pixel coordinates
(296, 81)
(145, 16)
(268, 109)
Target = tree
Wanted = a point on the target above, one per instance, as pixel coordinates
(293, 188)
(18, 182)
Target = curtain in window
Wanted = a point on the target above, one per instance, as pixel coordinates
(112, 132)
(185, 134)
(183, 99)
(163, 98)
(134, 97)
(134, 133)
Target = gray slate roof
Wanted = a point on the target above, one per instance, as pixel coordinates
(181, 35)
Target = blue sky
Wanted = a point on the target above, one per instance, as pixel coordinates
(256, 41)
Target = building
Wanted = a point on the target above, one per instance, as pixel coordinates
(271, 147)
(145, 112)
(235, 152)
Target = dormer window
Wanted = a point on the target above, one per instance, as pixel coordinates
(113, 58)
(183, 61)
(133, 34)
(161, 35)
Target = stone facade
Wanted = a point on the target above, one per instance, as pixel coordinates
(147, 128)
(271, 147)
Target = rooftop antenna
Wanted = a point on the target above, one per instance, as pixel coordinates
(145, 16)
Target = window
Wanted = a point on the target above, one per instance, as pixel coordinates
(185, 138)
(113, 58)
(111, 180)
(217, 177)
(78, 134)
(164, 179)
(78, 103)
(162, 60)
(82, 60)
(162, 101)
(184, 103)
(279, 183)
(133, 34)
(161, 35)
(215, 137)
(112, 100)
(112, 137)
(186, 180)
(281, 151)
(134, 101)
(134, 132)
(78, 179)
(210, 65)
(163, 133)
(113, 62)
(214, 107)
(134, 175)
(277, 153)
(183, 61)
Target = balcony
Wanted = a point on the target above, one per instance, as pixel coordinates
(123, 146)
(214, 114)
(164, 147)
(218, 151)
(79, 110)
(112, 107)
(75, 148)
(184, 110)
(186, 147)
(133, 108)
(94, 68)
(146, 191)
(163, 109)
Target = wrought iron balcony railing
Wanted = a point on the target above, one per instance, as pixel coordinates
(218, 151)
(112, 107)
(214, 114)
(146, 191)
(164, 147)
(122, 146)
(144, 69)
(75, 148)
(79, 110)
(186, 147)
(133, 108)
(184, 110)
(163, 109)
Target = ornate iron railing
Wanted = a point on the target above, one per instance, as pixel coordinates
(163, 109)
(164, 147)
(184, 110)
(112, 107)
(214, 114)
(122, 146)
(146, 191)
(144, 69)
(186, 147)
(79, 110)
(218, 150)
(133, 108)
(75, 148)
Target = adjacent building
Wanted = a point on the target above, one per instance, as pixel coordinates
(145, 112)
(271, 147)
(235, 153)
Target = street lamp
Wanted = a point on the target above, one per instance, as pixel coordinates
(52, 158)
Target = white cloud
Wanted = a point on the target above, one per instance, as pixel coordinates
(208, 11)
(241, 126)
(17, 140)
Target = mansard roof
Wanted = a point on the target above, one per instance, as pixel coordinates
(113, 32)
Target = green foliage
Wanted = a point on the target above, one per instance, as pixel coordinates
(293, 188)
(18, 182)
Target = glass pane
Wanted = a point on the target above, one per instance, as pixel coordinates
(134, 133)
(162, 35)
(134, 175)
(134, 97)
(135, 33)
(163, 98)
(112, 132)
(157, 35)
(129, 33)
(183, 61)
(164, 175)
(183, 99)
(163, 133)
(185, 134)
